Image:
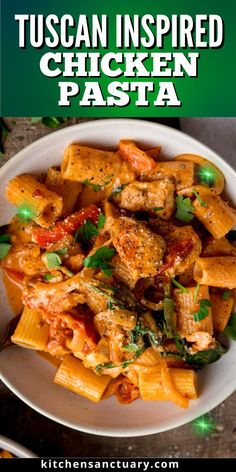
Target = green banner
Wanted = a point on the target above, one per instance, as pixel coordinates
(111, 59)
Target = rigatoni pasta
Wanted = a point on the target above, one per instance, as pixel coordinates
(214, 213)
(74, 376)
(216, 271)
(31, 332)
(67, 189)
(125, 272)
(44, 206)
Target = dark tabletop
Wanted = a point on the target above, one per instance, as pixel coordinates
(47, 438)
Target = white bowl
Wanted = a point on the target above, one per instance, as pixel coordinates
(16, 449)
(30, 377)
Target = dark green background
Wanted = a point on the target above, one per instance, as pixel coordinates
(26, 92)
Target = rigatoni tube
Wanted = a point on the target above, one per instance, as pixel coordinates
(74, 376)
(216, 271)
(42, 205)
(31, 332)
(215, 214)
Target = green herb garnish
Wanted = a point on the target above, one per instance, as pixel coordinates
(225, 295)
(4, 249)
(101, 220)
(48, 277)
(199, 359)
(53, 260)
(141, 330)
(168, 316)
(103, 366)
(203, 311)
(184, 209)
(100, 259)
(86, 231)
(97, 187)
(132, 347)
(230, 329)
(124, 364)
(202, 203)
(156, 209)
(196, 291)
(202, 358)
(62, 251)
(181, 287)
(5, 238)
(118, 189)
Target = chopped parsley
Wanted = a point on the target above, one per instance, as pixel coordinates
(101, 221)
(86, 231)
(202, 203)
(178, 285)
(123, 365)
(48, 277)
(62, 251)
(132, 347)
(203, 311)
(118, 189)
(230, 329)
(156, 209)
(100, 259)
(5, 238)
(225, 295)
(168, 316)
(97, 187)
(4, 248)
(196, 291)
(199, 359)
(53, 259)
(184, 209)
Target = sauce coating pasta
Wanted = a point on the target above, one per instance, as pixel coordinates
(124, 270)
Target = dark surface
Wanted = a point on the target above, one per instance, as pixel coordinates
(47, 438)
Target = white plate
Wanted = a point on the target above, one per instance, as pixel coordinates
(16, 449)
(30, 377)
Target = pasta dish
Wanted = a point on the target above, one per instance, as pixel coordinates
(124, 268)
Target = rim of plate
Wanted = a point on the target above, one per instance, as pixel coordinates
(15, 448)
(101, 431)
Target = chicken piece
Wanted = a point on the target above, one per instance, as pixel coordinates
(139, 248)
(202, 341)
(181, 173)
(122, 272)
(146, 196)
(24, 257)
(105, 320)
(183, 249)
(53, 297)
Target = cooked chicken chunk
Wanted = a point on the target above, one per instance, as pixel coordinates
(139, 248)
(148, 196)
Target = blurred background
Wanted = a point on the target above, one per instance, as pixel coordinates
(213, 435)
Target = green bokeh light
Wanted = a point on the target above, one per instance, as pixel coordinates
(25, 213)
(207, 175)
(204, 425)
